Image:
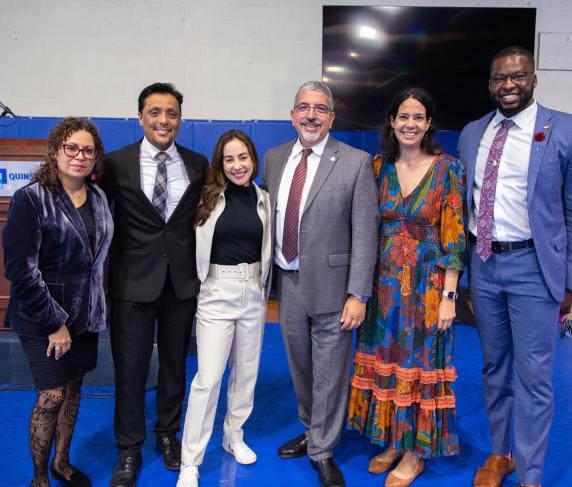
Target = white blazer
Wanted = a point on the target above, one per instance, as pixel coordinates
(204, 237)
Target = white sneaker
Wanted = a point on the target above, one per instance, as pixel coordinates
(240, 450)
(189, 476)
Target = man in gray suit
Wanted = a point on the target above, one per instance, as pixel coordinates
(324, 200)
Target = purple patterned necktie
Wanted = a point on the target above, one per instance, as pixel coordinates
(292, 216)
(485, 220)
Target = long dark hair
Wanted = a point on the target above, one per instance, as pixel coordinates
(389, 144)
(46, 175)
(216, 180)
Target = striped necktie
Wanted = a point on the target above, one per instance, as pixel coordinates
(292, 216)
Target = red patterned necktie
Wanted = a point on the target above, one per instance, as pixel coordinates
(290, 233)
(485, 220)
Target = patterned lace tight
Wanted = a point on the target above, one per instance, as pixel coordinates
(53, 418)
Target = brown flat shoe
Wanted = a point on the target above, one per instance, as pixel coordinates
(494, 471)
(380, 464)
(393, 480)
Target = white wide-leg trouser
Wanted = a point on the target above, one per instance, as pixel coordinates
(230, 324)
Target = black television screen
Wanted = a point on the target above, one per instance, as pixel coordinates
(369, 53)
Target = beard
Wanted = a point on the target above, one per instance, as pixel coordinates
(525, 100)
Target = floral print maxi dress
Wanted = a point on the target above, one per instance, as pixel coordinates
(402, 392)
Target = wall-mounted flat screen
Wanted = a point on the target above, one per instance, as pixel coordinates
(369, 53)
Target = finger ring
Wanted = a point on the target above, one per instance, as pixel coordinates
(58, 349)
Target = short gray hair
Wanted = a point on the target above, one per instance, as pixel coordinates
(316, 86)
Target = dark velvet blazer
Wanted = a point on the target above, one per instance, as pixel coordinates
(144, 246)
(56, 278)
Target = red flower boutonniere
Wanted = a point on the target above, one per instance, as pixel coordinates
(539, 136)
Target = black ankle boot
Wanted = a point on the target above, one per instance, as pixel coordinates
(76, 479)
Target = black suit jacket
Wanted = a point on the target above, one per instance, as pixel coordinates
(144, 246)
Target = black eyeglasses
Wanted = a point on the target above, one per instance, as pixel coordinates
(72, 150)
(304, 108)
(517, 78)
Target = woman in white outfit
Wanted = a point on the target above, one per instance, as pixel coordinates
(233, 264)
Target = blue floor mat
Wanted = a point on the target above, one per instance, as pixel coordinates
(274, 421)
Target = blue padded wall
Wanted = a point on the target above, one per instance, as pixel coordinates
(207, 133)
(9, 128)
(448, 140)
(116, 132)
(266, 134)
(201, 135)
(269, 134)
(36, 128)
(371, 141)
(350, 137)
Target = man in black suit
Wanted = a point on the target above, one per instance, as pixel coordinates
(155, 185)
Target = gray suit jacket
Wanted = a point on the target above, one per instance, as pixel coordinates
(339, 224)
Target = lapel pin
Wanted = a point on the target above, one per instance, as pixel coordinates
(332, 158)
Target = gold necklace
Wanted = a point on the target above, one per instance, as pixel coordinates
(77, 197)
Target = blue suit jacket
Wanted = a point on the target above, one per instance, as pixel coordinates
(56, 278)
(549, 198)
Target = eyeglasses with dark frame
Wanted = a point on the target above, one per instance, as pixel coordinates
(72, 150)
(304, 108)
(517, 78)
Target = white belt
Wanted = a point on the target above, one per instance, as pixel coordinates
(240, 272)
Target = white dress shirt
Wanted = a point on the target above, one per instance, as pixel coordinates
(511, 222)
(284, 191)
(177, 177)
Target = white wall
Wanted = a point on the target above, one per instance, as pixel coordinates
(232, 59)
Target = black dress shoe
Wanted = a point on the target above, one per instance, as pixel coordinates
(329, 474)
(125, 473)
(170, 447)
(76, 479)
(298, 447)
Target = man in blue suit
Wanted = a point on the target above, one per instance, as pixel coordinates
(519, 197)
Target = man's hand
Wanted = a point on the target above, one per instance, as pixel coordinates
(566, 303)
(353, 313)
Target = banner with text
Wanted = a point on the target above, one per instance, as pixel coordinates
(15, 175)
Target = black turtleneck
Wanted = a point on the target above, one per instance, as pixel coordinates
(238, 231)
(86, 214)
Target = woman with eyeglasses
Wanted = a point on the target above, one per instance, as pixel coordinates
(233, 263)
(402, 395)
(55, 242)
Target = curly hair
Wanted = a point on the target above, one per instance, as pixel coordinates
(216, 180)
(389, 145)
(46, 175)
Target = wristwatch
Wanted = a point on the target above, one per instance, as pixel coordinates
(452, 295)
(361, 298)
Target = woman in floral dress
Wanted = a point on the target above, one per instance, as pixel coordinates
(402, 394)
